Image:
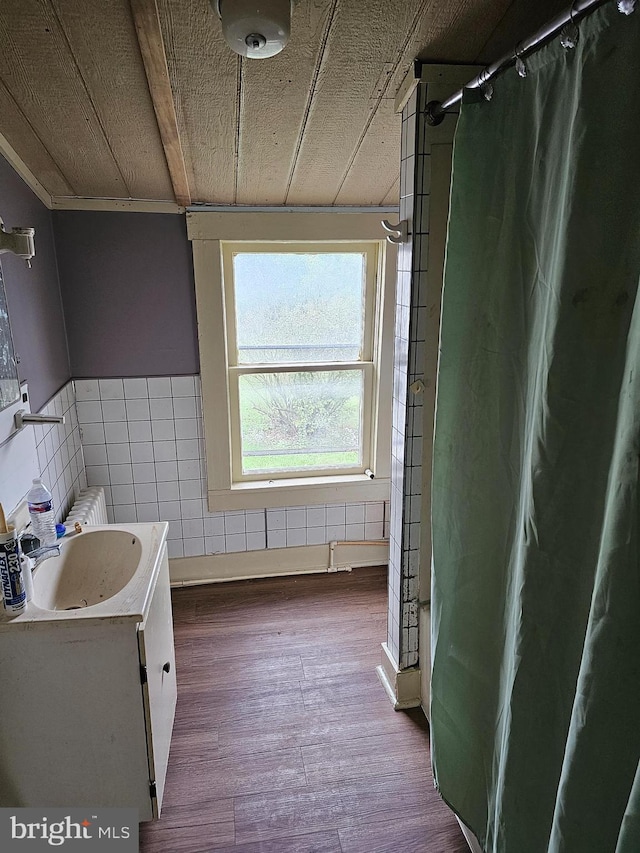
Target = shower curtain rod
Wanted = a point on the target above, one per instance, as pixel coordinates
(436, 110)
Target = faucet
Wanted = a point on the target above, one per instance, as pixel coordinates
(41, 554)
(21, 418)
(38, 554)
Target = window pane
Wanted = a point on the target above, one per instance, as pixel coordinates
(297, 307)
(301, 421)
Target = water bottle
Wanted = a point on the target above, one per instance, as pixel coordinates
(43, 522)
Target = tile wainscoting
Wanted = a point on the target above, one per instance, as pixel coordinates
(143, 442)
(54, 452)
(59, 449)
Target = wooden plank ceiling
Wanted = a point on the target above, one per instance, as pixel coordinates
(142, 99)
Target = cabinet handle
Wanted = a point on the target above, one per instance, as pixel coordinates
(167, 667)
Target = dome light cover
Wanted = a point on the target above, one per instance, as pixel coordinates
(256, 29)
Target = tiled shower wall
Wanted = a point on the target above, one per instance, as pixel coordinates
(143, 442)
(424, 192)
(406, 447)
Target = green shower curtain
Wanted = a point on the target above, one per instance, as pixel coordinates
(535, 708)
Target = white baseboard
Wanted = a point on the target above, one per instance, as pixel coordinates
(272, 562)
(402, 685)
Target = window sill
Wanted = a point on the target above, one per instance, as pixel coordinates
(356, 488)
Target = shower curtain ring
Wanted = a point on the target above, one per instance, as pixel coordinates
(570, 33)
(521, 68)
(485, 86)
(626, 7)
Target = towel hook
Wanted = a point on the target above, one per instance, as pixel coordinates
(397, 233)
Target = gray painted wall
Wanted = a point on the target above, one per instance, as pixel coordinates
(128, 293)
(35, 307)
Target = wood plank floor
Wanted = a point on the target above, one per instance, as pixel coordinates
(284, 740)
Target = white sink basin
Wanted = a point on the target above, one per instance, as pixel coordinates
(92, 568)
(105, 572)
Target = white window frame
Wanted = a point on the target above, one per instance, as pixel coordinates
(208, 232)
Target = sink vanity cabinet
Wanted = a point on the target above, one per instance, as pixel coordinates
(158, 677)
(88, 696)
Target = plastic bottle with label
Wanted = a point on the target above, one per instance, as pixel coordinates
(11, 577)
(43, 521)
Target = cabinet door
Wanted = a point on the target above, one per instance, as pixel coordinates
(155, 639)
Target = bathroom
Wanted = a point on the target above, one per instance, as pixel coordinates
(115, 423)
(115, 327)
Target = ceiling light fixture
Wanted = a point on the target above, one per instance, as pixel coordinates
(256, 29)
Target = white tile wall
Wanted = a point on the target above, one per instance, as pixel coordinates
(52, 451)
(143, 442)
(60, 457)
(406, 450)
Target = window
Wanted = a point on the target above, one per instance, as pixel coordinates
(300, 321)
(295, 362)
